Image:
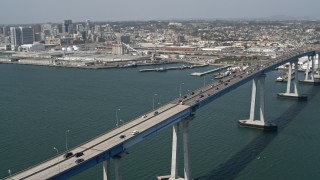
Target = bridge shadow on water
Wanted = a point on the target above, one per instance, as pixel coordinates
(231, 168)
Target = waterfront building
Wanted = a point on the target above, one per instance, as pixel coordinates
(15, 37)
(32, 47)
(119, 49)
(27, 35)
(21, 35)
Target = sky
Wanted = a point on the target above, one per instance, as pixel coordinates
(41, 11)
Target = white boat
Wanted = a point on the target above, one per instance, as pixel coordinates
(279, 79)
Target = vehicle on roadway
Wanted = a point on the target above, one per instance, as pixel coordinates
(68, 155)
(135, 132)
(78, 161)
(156, 113)
(122, 136)
(78, 154)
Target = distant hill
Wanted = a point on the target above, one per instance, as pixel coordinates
(286, 18)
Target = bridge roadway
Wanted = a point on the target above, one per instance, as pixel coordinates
(61, 168)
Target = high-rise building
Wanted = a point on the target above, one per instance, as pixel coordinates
(71, 29)
(65, 25)
(84, 35)
(27, 35)
(46, 30)
(37, 28)
(88, 25)
(97, 29)
(60, 28)
(21, 35)
(37, 37)
(15, 37)
(79, 28)
(5, 30)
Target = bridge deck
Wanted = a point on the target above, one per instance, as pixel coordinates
(102, 143)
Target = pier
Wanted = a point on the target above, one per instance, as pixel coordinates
(162, 69)
(210, 71)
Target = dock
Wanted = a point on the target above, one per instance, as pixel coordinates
(162, 69)
(210, 71)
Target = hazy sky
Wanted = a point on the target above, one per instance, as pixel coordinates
(39, 11)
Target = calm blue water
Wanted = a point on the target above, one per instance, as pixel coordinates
(38, 104)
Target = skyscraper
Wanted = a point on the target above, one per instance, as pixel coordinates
(65, 25)
(21, 35)
(79, 28)
(27, 35)
(88, 25)
(71, 29)
(15, 37)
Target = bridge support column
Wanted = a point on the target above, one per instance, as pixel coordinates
(106, 170)
(251, 122)
(187, 169)
(295, 94)
(311, 79)
(312, 68)
(174, 165)
(116, 161)
(253, 99)
(308, 69)
(317, 75)
(289, 78)
(296, 78)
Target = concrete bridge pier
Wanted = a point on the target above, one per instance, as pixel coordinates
(311, 79)
(106, 170)
(187, 168)
(251, 122)
(308, 69)
(117, 167)
(317, 73)
(174, 166)
(295, 94)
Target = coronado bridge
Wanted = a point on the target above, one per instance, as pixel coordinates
(115, 143)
